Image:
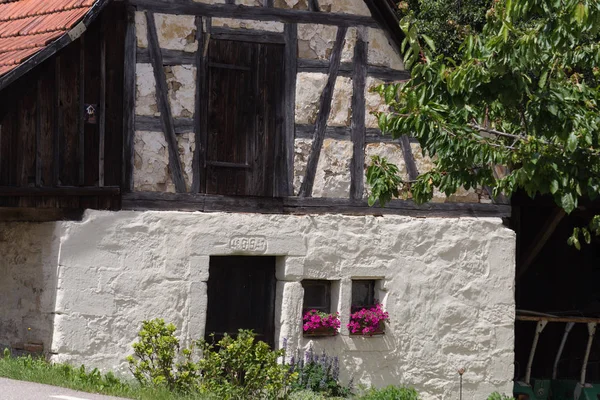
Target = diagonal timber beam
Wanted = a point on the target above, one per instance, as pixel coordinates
(323, 116)
(162, 97)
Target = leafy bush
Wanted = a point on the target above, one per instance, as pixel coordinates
(498, 396)
(390, 393)
(319, 374)
(159, 362)
(243, 368)
(309, 395)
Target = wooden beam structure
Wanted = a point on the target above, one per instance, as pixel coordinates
(129, 90)
(409, 159)
(323, 116)
(201, 104)
(162, 97)
(359, 81)
(286, 146)
(102, 109)
(302, 206)
(191, 7)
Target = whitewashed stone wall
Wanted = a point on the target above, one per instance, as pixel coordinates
(447, 284)
(28, 268)
(177, 32)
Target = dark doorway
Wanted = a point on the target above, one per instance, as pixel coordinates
(241, 295)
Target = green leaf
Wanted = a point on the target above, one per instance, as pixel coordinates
(543, 79)
(572, 142)
(429, 42)
(567, 202)
(553, 186)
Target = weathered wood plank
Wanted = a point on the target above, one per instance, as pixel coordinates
(199, 113)
(154, 124)
(268, 3)
(255, 13)
(102, 109)
(59, 191)
(129, 100)
(373, 135)
(409, 159)
(313, 5)
(169, 57)
(323, 116)
(302, 206)
(359, 81)
(38, 132)
(80, 120)
(57, 123)
(384, 73)
(247, 35)
(162, 94)
(285, 147)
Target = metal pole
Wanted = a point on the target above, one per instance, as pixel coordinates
(561, 348)
(591, 331)
(538, 330)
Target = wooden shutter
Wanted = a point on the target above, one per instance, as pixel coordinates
(245, 115)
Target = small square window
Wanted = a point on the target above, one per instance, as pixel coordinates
(317, 296)
(363, 294)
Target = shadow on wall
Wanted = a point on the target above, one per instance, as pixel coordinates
(28, 280)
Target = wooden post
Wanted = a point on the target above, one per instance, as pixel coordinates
(80, 119)
(162, 98)
(102, 108)
(38, 133)
(201, 104)
(359, 82)
(323, 116)
(286, 147)
(129, 101)
(409, 159)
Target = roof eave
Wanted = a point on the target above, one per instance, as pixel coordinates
(53, 47)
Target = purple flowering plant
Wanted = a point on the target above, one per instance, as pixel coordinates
(315, 320)
(368, 321)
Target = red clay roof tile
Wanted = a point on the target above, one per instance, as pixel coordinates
(27, 26)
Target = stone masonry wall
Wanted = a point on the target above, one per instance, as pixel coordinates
(177, 32)
(28, 275)
(446, 283)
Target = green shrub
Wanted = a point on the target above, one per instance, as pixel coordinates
(390, 393)
(158, 361)
(498, 396)
(319, 374)
(243, 368)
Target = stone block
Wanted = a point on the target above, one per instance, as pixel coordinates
(290, 268)
(382, 52)
(309, 86)
(333, 172)
(181, 84)
(199, 267)
(176, 32)
(145, 95)
(85, 302)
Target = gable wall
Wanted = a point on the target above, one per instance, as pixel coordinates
(315, 43)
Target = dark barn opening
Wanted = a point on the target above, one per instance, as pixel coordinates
(556, 279)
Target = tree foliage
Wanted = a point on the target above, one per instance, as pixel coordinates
(446, 22)
(522, 94)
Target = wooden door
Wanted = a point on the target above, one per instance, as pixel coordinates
(245, 83)
(241, 295)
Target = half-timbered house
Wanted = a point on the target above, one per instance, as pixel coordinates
(203, 161)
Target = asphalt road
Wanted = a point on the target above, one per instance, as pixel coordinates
(19, 390)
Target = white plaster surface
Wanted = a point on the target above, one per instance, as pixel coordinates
(333, 171)
(354, 7)
(381, 52)
(145, 101)
(309, 86)
(447, 284)
(181, 84)
(176, 32)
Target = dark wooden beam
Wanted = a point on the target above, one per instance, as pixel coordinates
(7, 191)
(359, 81)
(169, 57)
(313, 5)
(129, 91)
(256, 13)
(53, 47)
(529, 256)
(268, 3)
(409, 159)
(19, 214)
(162, 98)
(323, 116)
(303, 206)
(201, 104)
(385, 74)
(57, 123)
(247, 35)
(38, 133)
(285, 144)
(373, 135)
(102, 108)
(80, 117)
(154, 124)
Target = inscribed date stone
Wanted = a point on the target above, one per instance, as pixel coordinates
(256, 244)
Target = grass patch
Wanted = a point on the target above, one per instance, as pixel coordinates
(40, 371)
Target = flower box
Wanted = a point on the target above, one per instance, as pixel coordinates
(317, 323)
(368, 321)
